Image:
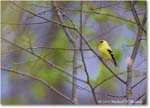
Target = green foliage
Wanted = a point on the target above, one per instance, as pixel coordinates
(109, 84)
(127, 6)
(131, 26)
(143, 46)
(118, 41)
(121, 46)
(94, 44)
(39, 91)
(4, 5)
(88, 32)
(51, 75)
(68, 23)
(86, 5)
(117, 54)
(100, 17)
(117, 47)
(12, 14)
(130, 42)
(24, 39)
(103, 15)
(41, 3)
(12, 101)
(43, 70)
(60, 41)
(141, 4)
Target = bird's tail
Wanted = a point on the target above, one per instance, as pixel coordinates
(113, 58)
(115, 63)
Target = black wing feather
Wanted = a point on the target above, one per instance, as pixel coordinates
(112, 55)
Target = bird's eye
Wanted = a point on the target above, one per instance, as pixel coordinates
(101, 41)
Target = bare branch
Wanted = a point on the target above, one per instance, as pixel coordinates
(51, 21)
(49, 48)
(74, 44)
(112, 76)
(134, 51)
(139, 97)
(136, 16)
(34, 23)
(45, 61)
(40, 80)
(138, 82)
(98, 13)
(82, 56)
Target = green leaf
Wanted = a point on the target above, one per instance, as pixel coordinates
(24, 39)
(105, 15)
(109, 84)
(100, 17)
(131, 26)
(86, 5)
(39, 91)
(12, 101)
(127, 6)
(94, 44)
(88, 32)
(141, 4)
(143, 46)
(130, 42)
(117, 54)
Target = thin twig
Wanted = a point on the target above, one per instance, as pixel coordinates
(51, 21)
(138, 82)
(34, 23)
(40, 80)
(44, 60)
(144, 94)
(98, 13)
(50, 48)
(108, 78)
(82, 56)
(134, 12)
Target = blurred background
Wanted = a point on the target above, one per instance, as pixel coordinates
(109, 20)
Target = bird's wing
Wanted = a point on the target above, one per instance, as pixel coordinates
(112, 56)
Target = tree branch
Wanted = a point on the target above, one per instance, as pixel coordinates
(108, 78)
(134, 52)
(45, 61)
(138, 82)
(34, 23)
(74, 44)
(40, 80)
(51, 21)
(82, 56)
(134, 12)
(139, 97)
(98, 13)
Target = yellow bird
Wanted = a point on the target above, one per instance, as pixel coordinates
(106, 51)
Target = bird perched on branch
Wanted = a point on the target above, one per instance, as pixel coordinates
(106, 51)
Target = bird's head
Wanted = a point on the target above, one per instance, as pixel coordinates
(102, 42)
